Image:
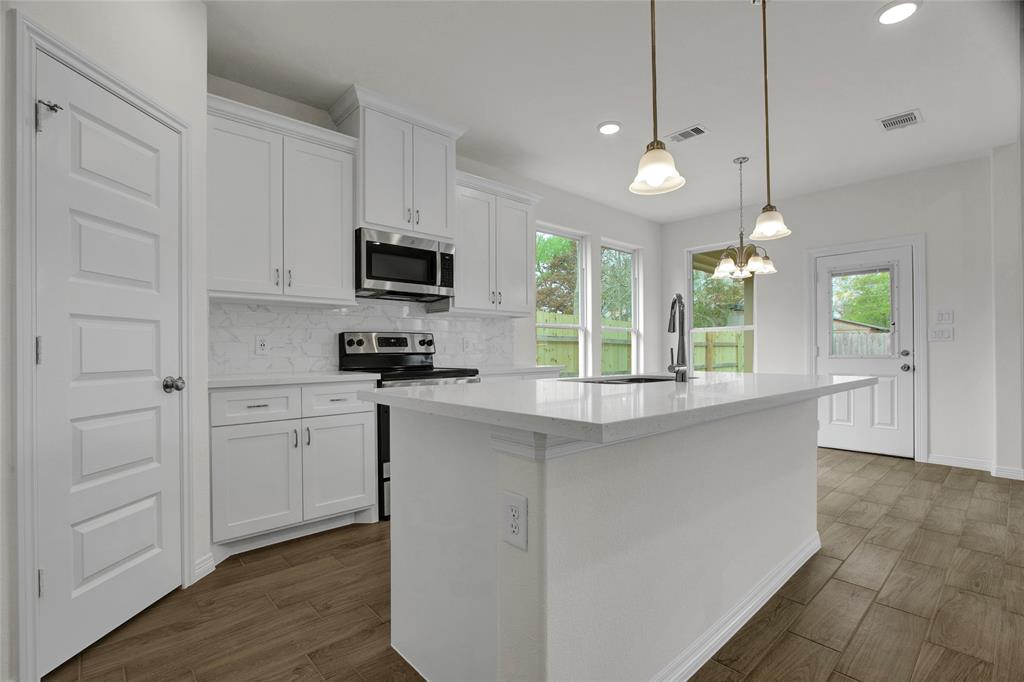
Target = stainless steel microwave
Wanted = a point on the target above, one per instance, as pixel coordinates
(403, 268)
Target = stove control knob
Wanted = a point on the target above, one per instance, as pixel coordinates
(360, 343)
(350, 343)
(423, 342)
(430, 342)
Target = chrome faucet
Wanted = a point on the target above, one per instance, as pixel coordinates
(677, 362)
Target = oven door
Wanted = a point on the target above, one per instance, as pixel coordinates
(390, 263)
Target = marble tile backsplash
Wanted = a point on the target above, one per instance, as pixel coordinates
(305, 339)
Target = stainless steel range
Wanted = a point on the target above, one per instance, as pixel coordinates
(401, 359)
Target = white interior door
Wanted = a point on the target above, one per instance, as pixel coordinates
(318, 213)
(865, 326)
(107, 437)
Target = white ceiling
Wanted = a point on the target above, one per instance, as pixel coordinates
(531, 80)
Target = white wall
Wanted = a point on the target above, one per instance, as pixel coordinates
(159, 48)
(557, 207)
(952, 206)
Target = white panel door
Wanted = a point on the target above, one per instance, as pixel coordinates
(256, 477)
(318, 213)
(108, 439)
(339, 459)
(474, 250)
(865, 326)
(245, 233)
(387, 171)
(433, 180)
(514, 263)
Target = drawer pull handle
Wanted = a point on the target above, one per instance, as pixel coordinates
(309, 436)
(339, 400)
(253, 407)
(296, 431)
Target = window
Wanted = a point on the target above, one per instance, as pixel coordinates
(862, 314)
(722, 317)
(619, 328)
(561, 322)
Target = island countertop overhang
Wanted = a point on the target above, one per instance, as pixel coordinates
(602, 413)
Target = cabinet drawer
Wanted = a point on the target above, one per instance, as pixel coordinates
(320, 400)
(249, 405)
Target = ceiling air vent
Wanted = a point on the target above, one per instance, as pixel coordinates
(907, 118)
(687, 133)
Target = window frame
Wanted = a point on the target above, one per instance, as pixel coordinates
(752, 327)
(582, 240)
(636, 333)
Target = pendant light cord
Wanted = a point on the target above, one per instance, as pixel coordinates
(764, 55)
(654, 77)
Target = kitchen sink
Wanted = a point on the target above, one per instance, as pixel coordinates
(638, 379)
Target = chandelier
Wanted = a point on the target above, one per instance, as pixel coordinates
(740, 261)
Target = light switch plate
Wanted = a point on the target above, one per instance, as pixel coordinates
(941, 333)
(943, 316)
(514, 520)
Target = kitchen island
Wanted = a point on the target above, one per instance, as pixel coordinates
(658, 517)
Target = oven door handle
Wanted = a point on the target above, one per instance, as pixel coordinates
(430, 382)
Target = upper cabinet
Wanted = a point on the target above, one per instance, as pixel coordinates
(494, 250)
(406, 175)
(280, 207)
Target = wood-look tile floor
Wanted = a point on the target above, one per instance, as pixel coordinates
(920, 577)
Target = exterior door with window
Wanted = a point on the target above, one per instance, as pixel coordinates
(865, 326)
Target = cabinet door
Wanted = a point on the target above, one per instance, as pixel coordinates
(339, 458)
(433, 180)
(256, 477)
(245, 234)
(474, 250)
(514, 266)
(318, 214)
(387, 171)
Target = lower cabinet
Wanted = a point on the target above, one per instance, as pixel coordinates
(268, 475)
(337, 476)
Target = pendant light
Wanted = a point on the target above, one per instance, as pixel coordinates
(656, 173)
(743, 260)
(769, 224)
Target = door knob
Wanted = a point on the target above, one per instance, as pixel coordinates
(171, 384)
(904, 352)
(905, 367)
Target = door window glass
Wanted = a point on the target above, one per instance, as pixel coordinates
(862, 314)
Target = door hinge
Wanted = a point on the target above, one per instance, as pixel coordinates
(39, 582)
(39, 350)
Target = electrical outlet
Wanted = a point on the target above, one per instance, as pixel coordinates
(514, 520)
(260, 345)
(465, 345)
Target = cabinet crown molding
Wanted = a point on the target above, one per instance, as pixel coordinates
(358, 96)
(223, 107)
(463, 179)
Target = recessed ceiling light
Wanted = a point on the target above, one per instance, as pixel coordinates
(609, 127)
(897, 11)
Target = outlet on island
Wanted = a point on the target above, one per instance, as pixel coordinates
(260, 345)
(514, 519)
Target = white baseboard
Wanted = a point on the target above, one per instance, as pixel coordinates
(961, 462)
(203, 567)
(1016, 473)
(687, 663)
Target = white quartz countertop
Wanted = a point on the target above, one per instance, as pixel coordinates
(603, 413)
(283, 378)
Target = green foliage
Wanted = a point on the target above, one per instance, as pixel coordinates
(557, 274)
(714, 299)
(616, 285)
(863, 297)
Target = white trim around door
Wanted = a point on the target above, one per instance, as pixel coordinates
(916, 242)
(30, 40)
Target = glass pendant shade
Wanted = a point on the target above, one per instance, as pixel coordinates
(656, 173)
(741, 273)
(769, 267)
(755, 264)
(769, 225)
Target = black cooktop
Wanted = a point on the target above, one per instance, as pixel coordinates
(410, 373)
